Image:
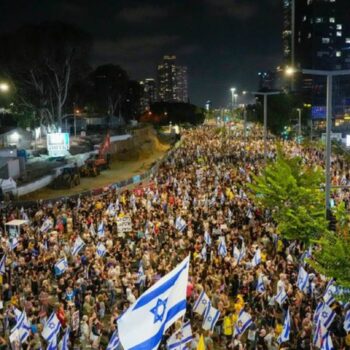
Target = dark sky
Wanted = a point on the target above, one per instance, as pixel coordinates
(224, 43)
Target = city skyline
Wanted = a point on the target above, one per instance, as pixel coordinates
(223, 43)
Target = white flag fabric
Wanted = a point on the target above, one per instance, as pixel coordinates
(51, 328)
(201, 303)
(61, 266)
(319, 335)
(281, 297)
(260, 287)
(330, 291)
(257, 258)
(23, 326)
(78, 246)
(158, 308)
(65, 340)
(101, 249)
(204, 252)
(222, 250)
(46, 226)
(303, 280)
(207, 238)
(347, 321)
(327, 343)
(211, 316)
(14, 243)
(3, 265)
(180, 338)
(243, 323)
(101, 229)
(113, 342)
(326, 316)
(180, 224)
(284, 336)
(92, 229)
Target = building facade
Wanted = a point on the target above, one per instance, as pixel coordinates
(149, 93)
(172, 81)
(322, 41)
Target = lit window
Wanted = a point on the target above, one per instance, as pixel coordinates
(339, 34)
(332, 20)
(325, 40)
(347, 40)
(339, 27)
(309, 36)
(304, 19)
(319, 20)
(338, 54)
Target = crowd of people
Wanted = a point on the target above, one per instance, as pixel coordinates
(204, 184)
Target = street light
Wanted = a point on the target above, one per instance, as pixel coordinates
(265, 94)
(4, 87)
(299, 122)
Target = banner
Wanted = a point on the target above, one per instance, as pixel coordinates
(124, 225)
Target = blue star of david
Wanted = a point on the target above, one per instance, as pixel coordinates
(210, 319)
(204, 302)
(51, 325)
(159, 310)
(324, 314)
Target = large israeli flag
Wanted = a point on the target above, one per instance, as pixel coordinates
(284, 336)
(180, 338)
(51, 328)
(113, 342)
(211, 316)
(327, 343)
(257, 258)
(243, 323)
(201, 303)
(326, 316)
(3, 265)
(142, 326)
(303, 280)
(78, 246)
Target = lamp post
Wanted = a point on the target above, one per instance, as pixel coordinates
(329, 75)
(299, 122)
(233, 90)
(265, 94)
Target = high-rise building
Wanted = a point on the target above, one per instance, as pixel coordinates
(149, 93)
(172, 81)
(287, 31)
(322, 41)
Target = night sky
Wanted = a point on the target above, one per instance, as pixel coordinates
(224, 43)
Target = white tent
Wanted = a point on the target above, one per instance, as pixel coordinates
(13, 227)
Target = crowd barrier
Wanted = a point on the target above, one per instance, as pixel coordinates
(134, 180)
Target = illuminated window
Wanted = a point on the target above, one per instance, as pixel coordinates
(339, 33)
(339, 27)
(347, 40)
(338, 53)
(332, 20)
(319, 20)
(325, 40)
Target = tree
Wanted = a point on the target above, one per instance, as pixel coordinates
(292, 191)
(42, 61)
(111, 87)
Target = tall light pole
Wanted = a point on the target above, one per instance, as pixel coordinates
(233, 90)
(329, 75)
(292, 40)
(299, 122)
(265, 94)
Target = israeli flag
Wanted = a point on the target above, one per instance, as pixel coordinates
(281, 297)
(3, 265)
(284, 336)
(260, 287)
(180, 224)
(78, 203)
(257, 258)
(101, 249)
(201, 303)
(23, 326)
(92, 230)
(111, 210)
(306, 255)
(303, 280)
(211, 316)
(51, 328)
(330, 291)
(207, 238)
(319, 335)
(61, 266)
(46, 226)
(113, 342)
(347, 321)
(222, 250)
(327, 343)
(204, 253)
(101, 229)
(78, 246)
(141, 277)
(14, 243)
(180, 338)
(243, 323)
(65, 340)
(158, 308)
(52, 345)
(236, 254)
(326, 316)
